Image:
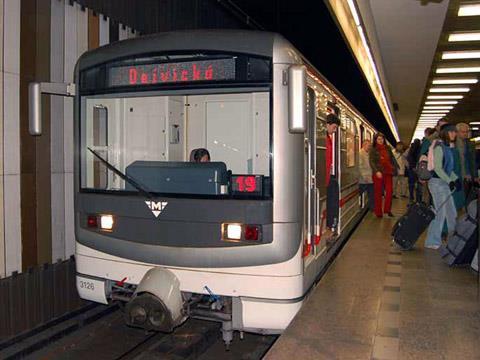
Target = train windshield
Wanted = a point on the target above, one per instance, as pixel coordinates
(151, 139)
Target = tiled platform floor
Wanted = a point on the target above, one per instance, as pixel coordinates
(376, 302)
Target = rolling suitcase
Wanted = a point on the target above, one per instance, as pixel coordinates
(410, 226)
(461, 246)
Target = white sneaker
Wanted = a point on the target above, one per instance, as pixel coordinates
(434, 247)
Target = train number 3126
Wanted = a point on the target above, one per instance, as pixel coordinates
(87, 285)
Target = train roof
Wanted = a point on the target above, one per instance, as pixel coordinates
(260, 43)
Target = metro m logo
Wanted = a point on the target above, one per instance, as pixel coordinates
(156, 206)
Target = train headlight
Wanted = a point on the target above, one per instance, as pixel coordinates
(241, 232)
(106, 222)
(233, 231)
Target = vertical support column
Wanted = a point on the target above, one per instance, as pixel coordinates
(35, 152)
(2, 224)
(11, 136)
(43, 143)
(122, 32)
(104, 31)
(57, 42)
(93, 30)
(70, 56)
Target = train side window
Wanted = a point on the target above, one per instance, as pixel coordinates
(350, 143)
(100, 145)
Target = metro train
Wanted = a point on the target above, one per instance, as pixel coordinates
(236, 240)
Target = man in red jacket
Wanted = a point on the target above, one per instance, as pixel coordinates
(331, 180)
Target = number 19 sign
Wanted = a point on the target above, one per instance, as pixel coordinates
(247, 184)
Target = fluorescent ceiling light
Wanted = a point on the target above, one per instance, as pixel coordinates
(452, 89)
(454, 81)
(457, 69)
(475, 123)
(466, 54)
(437, 107)
(475, 128)
(464, 36)
(444, 102)
(472, 9)
(434, 113)
(432, 97)
(354, 12)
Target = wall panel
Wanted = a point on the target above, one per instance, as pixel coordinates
(2, 228)
(57, 50)
(71, 51)
(11, 135)
(104, 30)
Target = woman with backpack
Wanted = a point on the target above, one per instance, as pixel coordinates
(384, 167)
(442, 184)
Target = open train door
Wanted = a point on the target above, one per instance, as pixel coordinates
(311, 211)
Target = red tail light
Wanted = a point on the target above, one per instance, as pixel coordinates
(252, 232)
(92, 221)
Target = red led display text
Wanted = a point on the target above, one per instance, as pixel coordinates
(207, 70)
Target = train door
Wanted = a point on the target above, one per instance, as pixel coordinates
(311, 214)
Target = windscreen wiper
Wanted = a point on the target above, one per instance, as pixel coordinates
(125, 177)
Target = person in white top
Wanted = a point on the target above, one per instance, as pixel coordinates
(400, 182)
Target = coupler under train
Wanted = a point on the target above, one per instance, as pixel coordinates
(158, 304)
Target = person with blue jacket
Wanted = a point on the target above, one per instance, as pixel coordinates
(443, 182)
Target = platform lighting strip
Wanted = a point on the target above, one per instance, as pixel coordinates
(444, 102)
(429, 107)
(457, 69)
(373, 65)
(466, 54)
(454, 81)
(448, 90)
(434, 112)
(469, 9)
(464, 36)
(432, 97)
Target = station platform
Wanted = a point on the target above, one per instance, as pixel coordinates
(376, 302)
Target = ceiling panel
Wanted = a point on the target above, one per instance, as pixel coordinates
(408, 32)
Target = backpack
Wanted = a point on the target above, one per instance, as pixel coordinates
(422, 170)
(430, 154)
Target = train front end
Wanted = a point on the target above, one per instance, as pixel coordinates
(166, 235)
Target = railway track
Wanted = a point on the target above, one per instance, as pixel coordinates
(100, 333)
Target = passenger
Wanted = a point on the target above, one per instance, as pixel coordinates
(467, 154)
(400, 181)
(384, 167)
(199, 155)
(412, 160)
(458, 195)
(365, 178)
(429, 134)
(331, 180)
(442, 183)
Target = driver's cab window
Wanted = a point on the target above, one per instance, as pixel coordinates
(234, 128)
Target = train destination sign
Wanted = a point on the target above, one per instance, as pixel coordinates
(167, 73)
